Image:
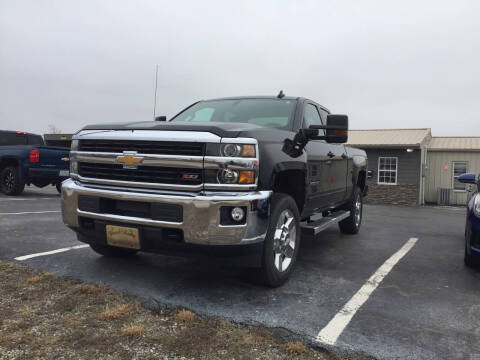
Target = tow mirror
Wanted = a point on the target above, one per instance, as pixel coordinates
(336, 133)
(336, 129)
(370, 174)
(161, 118)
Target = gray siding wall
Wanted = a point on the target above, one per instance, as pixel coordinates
(408, 170)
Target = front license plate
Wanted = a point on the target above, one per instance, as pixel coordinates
(123, 236)
(64, 173)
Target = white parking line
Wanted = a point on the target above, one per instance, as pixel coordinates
(330, 333)
(26, 257)
(31, 212)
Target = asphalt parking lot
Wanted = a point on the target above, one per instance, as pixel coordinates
(427, 306)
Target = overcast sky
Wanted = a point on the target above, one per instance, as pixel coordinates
(387, 64)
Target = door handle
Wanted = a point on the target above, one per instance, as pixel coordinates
(330, 154)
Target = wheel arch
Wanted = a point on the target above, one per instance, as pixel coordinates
(291, 179)
(362, 180)
(8, 161)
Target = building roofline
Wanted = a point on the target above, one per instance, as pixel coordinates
(427, 129)
(455, 137)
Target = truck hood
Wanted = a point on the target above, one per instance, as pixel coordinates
(219, 129)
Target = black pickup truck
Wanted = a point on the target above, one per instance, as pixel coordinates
(25, 160)
(241, 178)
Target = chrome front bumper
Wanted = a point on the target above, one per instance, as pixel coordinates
(201, 213)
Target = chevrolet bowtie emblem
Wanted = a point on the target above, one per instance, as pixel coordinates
(129, 159)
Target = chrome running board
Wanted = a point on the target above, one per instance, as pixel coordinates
(315, 227)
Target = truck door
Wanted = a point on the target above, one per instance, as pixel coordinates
(337, 168)
(319, 189)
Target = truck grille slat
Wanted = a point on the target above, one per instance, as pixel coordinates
(143, 147)
(148, 174)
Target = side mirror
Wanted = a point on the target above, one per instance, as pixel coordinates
(467, 179)
(161, 118)
(336, 129)
(370, 174)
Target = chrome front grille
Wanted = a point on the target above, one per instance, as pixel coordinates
(143, 147)
(143, 174)
(153, 160)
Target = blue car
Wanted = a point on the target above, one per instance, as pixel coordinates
(472, 230)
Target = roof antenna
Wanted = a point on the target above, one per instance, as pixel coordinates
(281, 94)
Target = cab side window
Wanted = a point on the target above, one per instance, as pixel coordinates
(312, 117)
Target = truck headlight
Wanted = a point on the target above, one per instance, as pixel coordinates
(238, 150)
(476, 205)
(74, 146)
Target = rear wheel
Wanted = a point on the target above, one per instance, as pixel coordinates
(281, 242)
(112, 251)
(11, 182)
(351, 225)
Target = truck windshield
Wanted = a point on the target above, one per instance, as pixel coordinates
(271, 113)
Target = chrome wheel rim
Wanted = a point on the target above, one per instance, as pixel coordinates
(284, 240)
(9, 180)
(358, 210)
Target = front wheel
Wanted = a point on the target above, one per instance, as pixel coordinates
(282, 241)
(351, 225)
(58, 186)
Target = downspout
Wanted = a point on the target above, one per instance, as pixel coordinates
(423, 171)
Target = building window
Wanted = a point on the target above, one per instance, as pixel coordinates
(459, 168)
(387, 170)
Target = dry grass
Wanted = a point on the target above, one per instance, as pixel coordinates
(88, 289)
(185, 316)
(297, 347)
(60, 319)
(133, 330)
(117, 312)
(38, 278)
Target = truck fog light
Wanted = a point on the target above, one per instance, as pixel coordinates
(237, 214)
(227, 176)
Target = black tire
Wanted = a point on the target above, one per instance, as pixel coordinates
(59, 187)
(352, 224)
(11, 181)
(112, 251)
(471, 259)
(273, 273)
